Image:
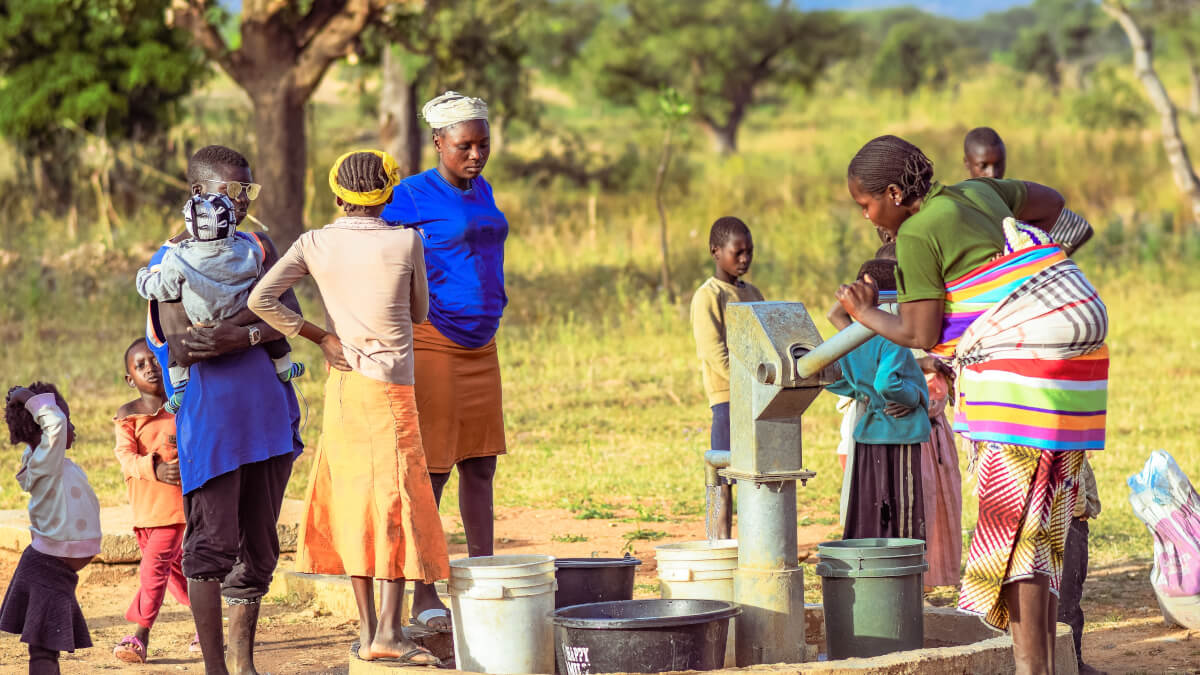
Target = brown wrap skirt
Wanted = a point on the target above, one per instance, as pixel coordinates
(458, 394)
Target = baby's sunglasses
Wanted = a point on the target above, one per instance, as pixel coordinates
(234, 189)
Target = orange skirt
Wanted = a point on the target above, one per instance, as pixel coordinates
(370, 510)
(458, 394)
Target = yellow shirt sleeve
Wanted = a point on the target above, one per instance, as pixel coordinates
(708, 327)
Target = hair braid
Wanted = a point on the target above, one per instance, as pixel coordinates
(362, 172)
(891, 160)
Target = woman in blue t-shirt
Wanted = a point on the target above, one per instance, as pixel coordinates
(457, 369)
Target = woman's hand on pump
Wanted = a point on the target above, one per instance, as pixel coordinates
(859, 296)
(838, 316)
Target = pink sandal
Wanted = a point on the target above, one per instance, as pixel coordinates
(130, 650)
(195, 646)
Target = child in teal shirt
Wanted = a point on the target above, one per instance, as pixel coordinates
(885, 483)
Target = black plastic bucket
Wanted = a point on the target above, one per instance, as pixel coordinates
(584, 580)
(642, 636)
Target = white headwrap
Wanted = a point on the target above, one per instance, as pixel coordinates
(451, 108)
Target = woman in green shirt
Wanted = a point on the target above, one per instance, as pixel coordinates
(1018, 319)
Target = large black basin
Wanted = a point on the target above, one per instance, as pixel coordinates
(642, 636)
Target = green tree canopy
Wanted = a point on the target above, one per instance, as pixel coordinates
(485, 48)
(110, 66)
(1034, 52)
(716, 53)
(915, 52)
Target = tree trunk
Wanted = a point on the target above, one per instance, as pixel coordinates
(496, 133)
(400, 131)
(1143, 67)
(722, 136)
(1194, 77)
(659, 178)
(281, 162)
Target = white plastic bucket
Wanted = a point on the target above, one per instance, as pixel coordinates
(699, 570)
(500, 605)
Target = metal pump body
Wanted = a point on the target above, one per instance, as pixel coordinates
(777, 366)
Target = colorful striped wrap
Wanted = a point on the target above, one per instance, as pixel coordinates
(1026, 333)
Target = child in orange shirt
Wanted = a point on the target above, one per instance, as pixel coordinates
(150, 461)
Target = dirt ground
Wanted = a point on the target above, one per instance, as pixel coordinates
(1125, 634)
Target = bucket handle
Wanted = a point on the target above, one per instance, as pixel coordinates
(487, 592)
(825, 570)
(677, 574)
(497, 591)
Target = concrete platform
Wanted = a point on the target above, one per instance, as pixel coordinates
(119, 544)
(956, 642)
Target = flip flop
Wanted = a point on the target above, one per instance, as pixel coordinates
(406, 659)
(130, 650)
(423, 619)
(195, 646)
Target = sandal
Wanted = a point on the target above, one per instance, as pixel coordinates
(195, 646)
(130, 650)
(406, 659)
(428, 615)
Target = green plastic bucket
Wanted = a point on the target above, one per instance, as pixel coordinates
(872, 592)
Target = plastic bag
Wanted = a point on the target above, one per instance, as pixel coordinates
(1163, 497)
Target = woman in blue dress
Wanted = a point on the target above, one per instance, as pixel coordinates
(457, 369)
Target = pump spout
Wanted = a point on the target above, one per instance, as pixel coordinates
(845, 341)
(842, 343)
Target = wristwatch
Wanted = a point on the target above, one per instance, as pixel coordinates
(255, 335)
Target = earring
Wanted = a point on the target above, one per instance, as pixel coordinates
(897, 203)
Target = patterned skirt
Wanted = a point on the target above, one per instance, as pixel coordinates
(942, 490)
(1026, 498)
(886, 500)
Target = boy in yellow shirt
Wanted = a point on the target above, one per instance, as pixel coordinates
(732, 249)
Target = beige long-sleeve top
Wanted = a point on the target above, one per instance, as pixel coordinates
(64, 514)
(372, 279)
(708, 327)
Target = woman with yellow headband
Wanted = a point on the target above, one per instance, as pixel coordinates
(370, 510)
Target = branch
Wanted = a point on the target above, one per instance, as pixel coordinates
(190, 16)
(333, 40)
(318, 17)
(262, 10)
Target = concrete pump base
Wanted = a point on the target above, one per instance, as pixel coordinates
(955, 643)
